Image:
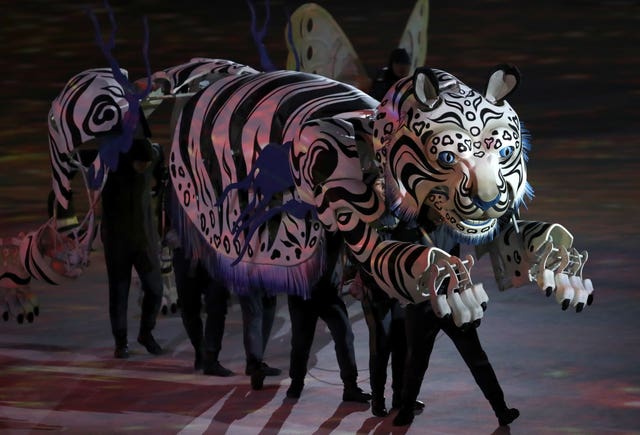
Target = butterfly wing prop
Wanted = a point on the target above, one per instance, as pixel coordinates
(414, 37)
(318, 45)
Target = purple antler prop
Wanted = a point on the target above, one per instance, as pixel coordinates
(258, 36)
(112, 146)
(296, 55)
(267, 180)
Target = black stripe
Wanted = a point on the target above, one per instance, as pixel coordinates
(341, 104)
(58, 168)
(206, 145)
(15, 278)
(246, 108)
(183, 132)
(70, 108)
(182, 75)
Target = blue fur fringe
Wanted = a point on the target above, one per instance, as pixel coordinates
(245, 277)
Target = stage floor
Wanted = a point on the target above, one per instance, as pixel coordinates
(567, 373)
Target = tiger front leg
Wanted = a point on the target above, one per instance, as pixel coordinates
(541, 252)
(448, 283)
(329, 174)
(414, 273)
(19, 303)
(16, 298)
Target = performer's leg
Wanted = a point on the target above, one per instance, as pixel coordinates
(189, 291)
(469, 347)
(378, 318)
(119, 267)
(269, 306)
(147, 265)
(398, 345)
(252, 318)
(422, 329)
(333, 312)
(216, 298)
(303, 327)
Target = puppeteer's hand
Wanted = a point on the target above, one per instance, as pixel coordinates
(452, 293)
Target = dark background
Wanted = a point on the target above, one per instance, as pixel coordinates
(579, 62)
(569, 373)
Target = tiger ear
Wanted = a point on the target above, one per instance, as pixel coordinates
(426, 87)
(503, 80)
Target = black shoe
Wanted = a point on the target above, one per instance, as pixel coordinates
(404, 417)
(147, 340)
(507, 416)
(121, 352)
(295, 389)
(355, 394)
(216, 369)
(418, 405)
(266, 369)
(257, 379)
(378, 408)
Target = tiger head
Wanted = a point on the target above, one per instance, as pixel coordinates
(457, 151)
(93, 105)
(103, 106)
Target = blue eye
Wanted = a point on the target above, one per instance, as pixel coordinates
(447, 158)
(506, 152)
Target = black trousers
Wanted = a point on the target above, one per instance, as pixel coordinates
(422, 328)
(327, 305)
(120, 260)
(387, 338)
(193, 282)
(258, 315)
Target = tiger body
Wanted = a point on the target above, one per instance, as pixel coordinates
(224, 128)
(263, 165)
(220, 134)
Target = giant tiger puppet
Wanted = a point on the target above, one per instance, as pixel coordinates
(264, 165)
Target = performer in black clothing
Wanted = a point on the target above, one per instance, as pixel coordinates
(130, 240)
(193, 280)
(192, 283)
(385, 319)
(398, 67)
(258, 314)
(422, 327)
(325, 303)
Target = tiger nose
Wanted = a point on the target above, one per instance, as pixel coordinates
(485, 205)
(485, 176)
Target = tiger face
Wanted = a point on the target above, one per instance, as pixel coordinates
(92, 105)
(450, 148)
